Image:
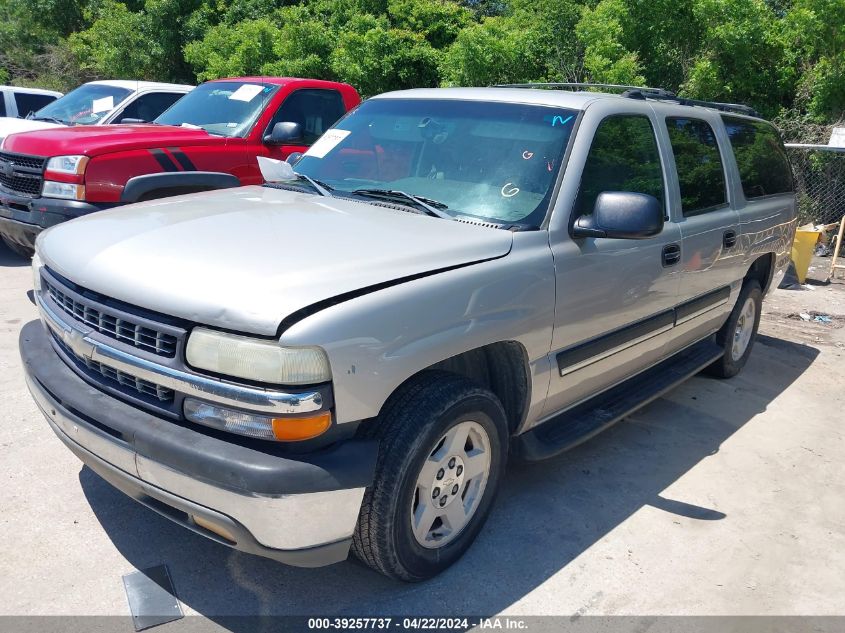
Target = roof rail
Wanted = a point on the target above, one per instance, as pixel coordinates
(642, 92)
(736, 108)
(583, 85)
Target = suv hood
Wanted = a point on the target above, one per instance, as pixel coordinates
(92, 140)
(243, 259)
(10, 125)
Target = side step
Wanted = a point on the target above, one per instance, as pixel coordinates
(582, 422)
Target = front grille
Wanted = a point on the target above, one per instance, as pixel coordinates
(127, 380)
(21, 174)
(119, 328)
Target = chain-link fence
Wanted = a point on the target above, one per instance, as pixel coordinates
(819, 182)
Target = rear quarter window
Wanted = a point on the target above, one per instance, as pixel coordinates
(764, 169)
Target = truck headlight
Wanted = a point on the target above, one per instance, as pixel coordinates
(67, 190)
(256, 359)
(36, 272)
(68, 164)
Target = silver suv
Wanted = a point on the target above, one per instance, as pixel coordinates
(347, 357)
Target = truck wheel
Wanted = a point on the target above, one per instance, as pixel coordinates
(737, 335)
(18, 249)
(442, 454)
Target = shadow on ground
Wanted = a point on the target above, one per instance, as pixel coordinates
(547, 514)
(10, 259)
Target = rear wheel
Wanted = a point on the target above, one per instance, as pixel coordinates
(18, 249)
(442, 455)
(738, 333)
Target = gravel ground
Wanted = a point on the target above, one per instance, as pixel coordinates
(724, 497)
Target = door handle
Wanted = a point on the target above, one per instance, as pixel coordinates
(671, 255)
(729, 239)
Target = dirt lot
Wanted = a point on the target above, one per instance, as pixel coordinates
(724, 497)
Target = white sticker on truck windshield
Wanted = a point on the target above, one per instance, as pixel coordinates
(246, 92)
(326, 143)
(102, 105)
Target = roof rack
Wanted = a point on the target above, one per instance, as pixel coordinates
(643, 92)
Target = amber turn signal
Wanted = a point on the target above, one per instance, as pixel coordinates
(298, 429)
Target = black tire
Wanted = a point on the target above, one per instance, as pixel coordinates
(18, 249)
(728, 366)
(409, 427)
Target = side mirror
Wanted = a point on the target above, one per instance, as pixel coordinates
(284, 133)
(294, 157)
(621, 215)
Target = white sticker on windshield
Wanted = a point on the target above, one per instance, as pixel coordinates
(326, 143)
(102, 105)
(246, 92)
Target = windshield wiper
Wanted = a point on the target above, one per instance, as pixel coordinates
(49, 119)
(322, 188)
(432, 207)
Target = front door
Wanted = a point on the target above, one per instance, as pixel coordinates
(614, 297)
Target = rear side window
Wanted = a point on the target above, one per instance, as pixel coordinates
(27, 103)
(763, 166)
(2, 104)
(623, 157)
(149, 107)
(315, 110)
(700, 173)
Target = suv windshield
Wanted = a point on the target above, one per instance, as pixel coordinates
(494, 161)
(84, 106)
(226, 108)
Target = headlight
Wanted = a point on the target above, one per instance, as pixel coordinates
(68, 164)
(36, 272)
(256, 359)
(53, 189)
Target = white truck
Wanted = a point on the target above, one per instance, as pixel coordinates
(16, 101)
(95, 103)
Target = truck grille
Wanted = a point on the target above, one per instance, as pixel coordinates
(127, 380)
(21, 174)
(119, 328)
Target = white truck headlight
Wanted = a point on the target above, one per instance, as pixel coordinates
(256, 359)
(68, 164)
(67, 190)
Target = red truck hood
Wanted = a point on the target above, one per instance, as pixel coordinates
(96, 140)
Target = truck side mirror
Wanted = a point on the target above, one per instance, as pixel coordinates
(284, 133)
(294, 157)
(621, 215)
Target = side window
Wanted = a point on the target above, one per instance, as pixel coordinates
(699, 165)
(623, 157)
(148, 107)
(2, 103)
(315, 110)
(763, 166)
(31, 103)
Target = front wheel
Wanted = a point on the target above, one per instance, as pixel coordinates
(737, 335)
(442, 454)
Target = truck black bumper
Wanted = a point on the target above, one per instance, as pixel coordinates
(22, 218)
(298, 509)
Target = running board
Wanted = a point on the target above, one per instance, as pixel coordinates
(582, 422)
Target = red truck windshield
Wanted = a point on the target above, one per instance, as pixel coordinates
(224, 108)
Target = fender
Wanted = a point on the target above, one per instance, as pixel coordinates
(190, 181)
(376, 341)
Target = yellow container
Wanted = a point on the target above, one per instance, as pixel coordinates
(802, 251)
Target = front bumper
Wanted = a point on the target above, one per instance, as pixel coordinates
(23, 218)
(298, 509)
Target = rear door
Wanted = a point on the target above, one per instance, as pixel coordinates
(614, 297)
(709, 223)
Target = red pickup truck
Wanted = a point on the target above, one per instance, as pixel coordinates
(209, 139)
